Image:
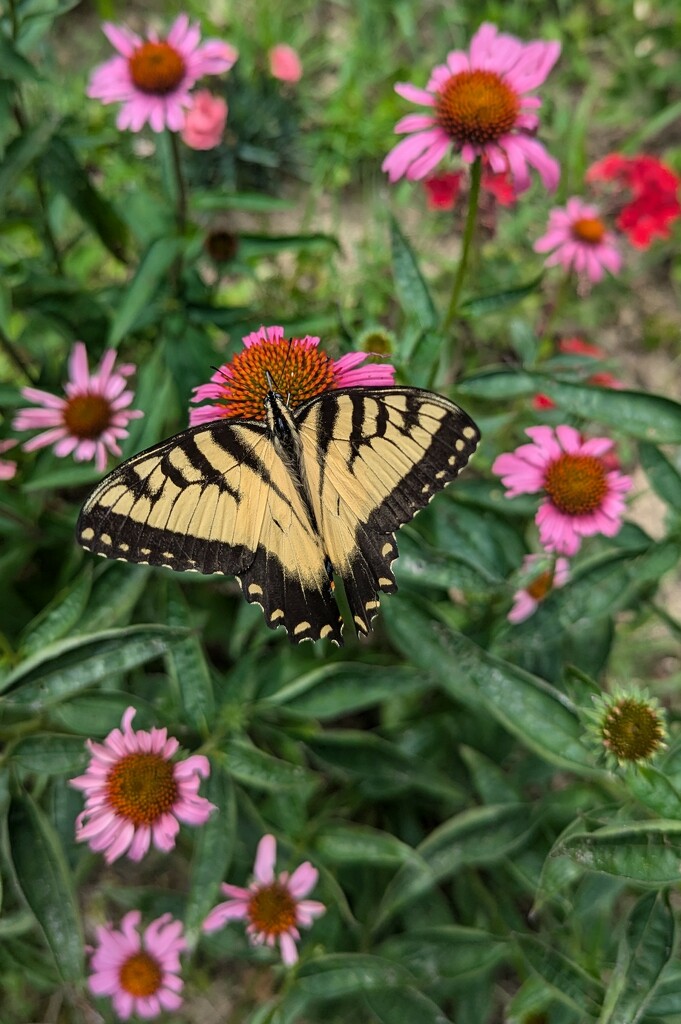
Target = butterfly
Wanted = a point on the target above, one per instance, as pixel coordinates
(288, 502)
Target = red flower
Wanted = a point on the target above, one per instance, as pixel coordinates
(579, 347)
(443, 190)
(654, 187)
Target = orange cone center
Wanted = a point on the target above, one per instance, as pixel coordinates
(156, 68)
(87, 416)
(588, 229)
(272, 909)
(298, 373)
(477, 107)
(576, 484)
(140, 975)
(142, 787)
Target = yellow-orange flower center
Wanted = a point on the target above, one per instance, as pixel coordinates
(588, 229)
(476, 107)
(540, 585)
(156, 68)
(298, 371)
(87, 416)
(272, 909)
(141, 787)
(632, 730)
(576, 484)
(140, 975)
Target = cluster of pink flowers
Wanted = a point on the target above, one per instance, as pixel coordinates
(136, 795)
(582, 492)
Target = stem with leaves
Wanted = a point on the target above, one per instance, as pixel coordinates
(468, 234)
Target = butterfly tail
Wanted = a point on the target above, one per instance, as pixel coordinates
(369, 573)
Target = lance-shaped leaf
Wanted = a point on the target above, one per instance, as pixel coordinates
(46, 883)
(412, 290)
(60, 616)
(404, 1006)
(568, 981)
(642, 851)
(213, 850)
(187, 665)
(343, 974)
(339, 689)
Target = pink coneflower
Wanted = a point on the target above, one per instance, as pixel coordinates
(480, 108)
(153, 78)
(578, 240)
(204, 125)
(299, 369)
(93, 417)
(141, 973)
(8, 468)
(285, 64)
(135, 794)
(541, 575)
(273, 906)
(584, 492)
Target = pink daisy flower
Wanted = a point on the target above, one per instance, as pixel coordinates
(141, 973)
(577, 239)
(93, 417)
(153, 78)
(273, 906)
(135, 794)
(541, 577)
(8, 468)
(299, 369)
(584, 493)
(481, 109)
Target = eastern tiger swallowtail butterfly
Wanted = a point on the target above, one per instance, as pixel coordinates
(289, 501)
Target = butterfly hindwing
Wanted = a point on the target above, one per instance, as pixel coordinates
(373, 458)
(218, 499)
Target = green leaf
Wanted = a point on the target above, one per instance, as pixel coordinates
(256, 246)
(21, 153)
(213, 850)
(446, 952)
(49, 754)
(343, 974)
(115, 592)
(481, 305)
(142, 289)
(412, 290)
(647, 852)
(68, 666)
(405, 1006)
(63, 170)
(46, 883)
(348, 843)
(252, 202)
(664, 479)
(645, 952)
(338, 689)
(187, 666)
(14, 65)
(98, 713)
(569, 982)
(497, 384)
(60, 616)
(482, 835)
(530, 708)
(253, 767)
(422, 563)
(652, 787)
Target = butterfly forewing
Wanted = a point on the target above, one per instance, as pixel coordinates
(374, 458)
(218, 499)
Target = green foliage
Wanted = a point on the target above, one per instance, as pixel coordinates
(479, 856)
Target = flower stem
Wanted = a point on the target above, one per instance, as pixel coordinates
(469, 232)
(180, 188)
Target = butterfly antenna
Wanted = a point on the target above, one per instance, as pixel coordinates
(218, 369)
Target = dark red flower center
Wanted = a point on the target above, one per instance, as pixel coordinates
(298, 371)
(87, 416)
(156, 68)
(476, 107)
(588, 229)
(576, 484)
(142, 787)
(632, 730)
(140, 975)
(272, 909)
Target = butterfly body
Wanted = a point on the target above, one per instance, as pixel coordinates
(286, 502)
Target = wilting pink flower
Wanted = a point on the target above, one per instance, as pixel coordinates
(205, 122)
(153, 78)
(141, 973)
(8, 468)
(480, 109)
(578, 240)
(300, 370)
(135, 794)
(285, 63)
(654, 188)
(583, 490)
(93, 417)
(274, 907)
(542, 575)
